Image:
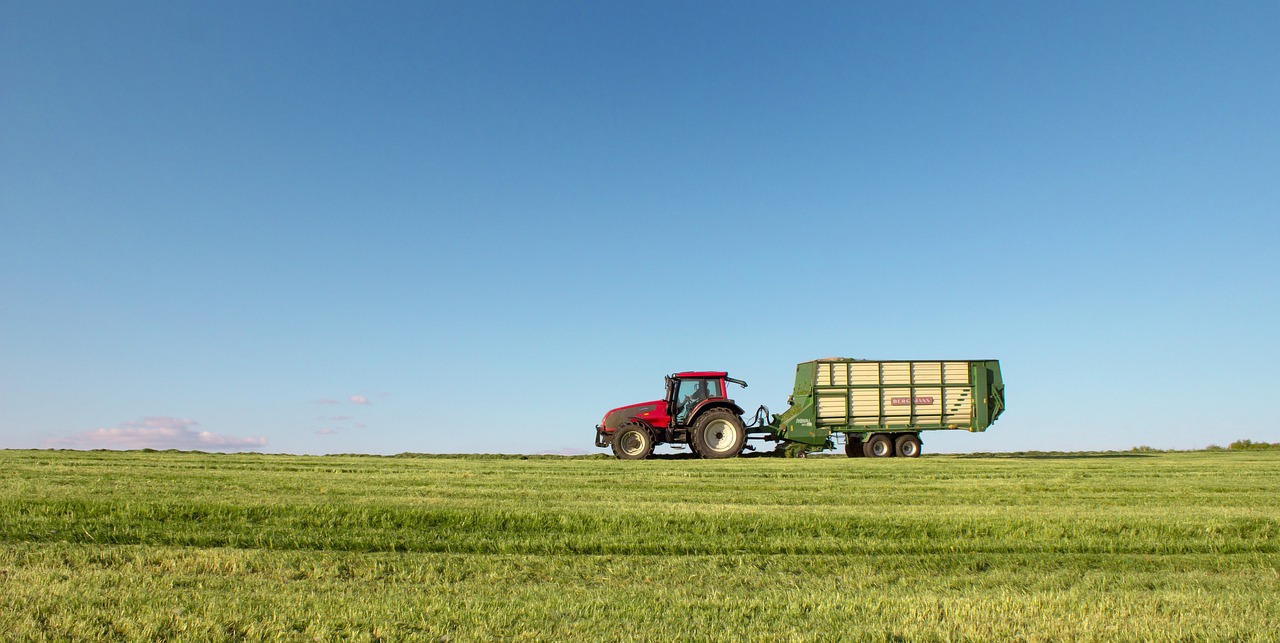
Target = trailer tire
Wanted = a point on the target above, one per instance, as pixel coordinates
(718, 433)
(853, 447)
(878, 446)
(907, 446)
(632, 441)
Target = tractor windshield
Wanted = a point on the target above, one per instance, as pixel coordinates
(693, 391)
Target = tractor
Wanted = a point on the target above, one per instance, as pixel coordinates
(695, 411)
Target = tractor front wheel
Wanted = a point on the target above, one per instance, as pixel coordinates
(632, 442)
(718, 433)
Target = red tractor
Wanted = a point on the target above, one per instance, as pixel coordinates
(695, 411)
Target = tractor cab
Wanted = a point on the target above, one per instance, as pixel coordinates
(689, 390)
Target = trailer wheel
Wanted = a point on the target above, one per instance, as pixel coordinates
(718, 433)
(878, 446)
(632, 441)
(907, 446)
(853, 447)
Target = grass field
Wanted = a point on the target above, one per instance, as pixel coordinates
(1123, 546)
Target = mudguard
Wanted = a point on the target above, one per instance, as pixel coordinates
(713, 403)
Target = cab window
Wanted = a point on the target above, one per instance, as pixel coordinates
(691, 392)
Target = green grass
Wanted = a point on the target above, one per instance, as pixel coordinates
(1119, 546)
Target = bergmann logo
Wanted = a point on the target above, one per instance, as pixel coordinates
(906, 401)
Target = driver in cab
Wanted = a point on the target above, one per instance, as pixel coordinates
(691, 400)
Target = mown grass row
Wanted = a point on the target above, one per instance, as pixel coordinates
(1173, 504)
(147, 592)
(680, 532)
(1038, 547)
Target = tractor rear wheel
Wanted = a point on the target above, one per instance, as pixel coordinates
(853, 447)
(632, 441)
(718, 433)
(907, 446)
(878, 446)
(693, 446)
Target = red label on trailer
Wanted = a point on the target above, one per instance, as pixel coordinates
(906, 401)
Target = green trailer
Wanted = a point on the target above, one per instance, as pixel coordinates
(880, 407)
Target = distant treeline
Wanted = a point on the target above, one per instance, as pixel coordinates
(1247, 445)
(1238, 445)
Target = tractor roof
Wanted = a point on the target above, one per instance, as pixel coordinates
(700, 374)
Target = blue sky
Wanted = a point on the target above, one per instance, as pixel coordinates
(467, 227)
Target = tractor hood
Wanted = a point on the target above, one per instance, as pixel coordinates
(647, 412)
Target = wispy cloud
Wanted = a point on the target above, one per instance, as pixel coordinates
(354, 399)
(337, 418)
(158, 432)
(326, 431)
(360, 425)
